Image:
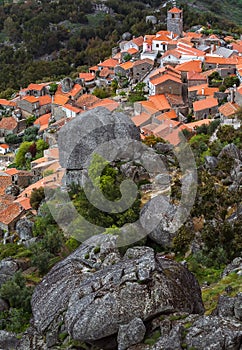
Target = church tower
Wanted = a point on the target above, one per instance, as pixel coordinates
(175, 21)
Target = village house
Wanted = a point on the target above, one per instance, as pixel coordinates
(88, 79)
(166, 83)
(135, 43)
(37, 90)
(4, 148)
(37, 106)
(190, 66)
(195, 78)
(228, 113)
(205, 108)
(9, 125)
(21, 178)
(141, 68)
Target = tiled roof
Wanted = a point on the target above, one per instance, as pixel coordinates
(30, 99)
(37, 87)
(43, 121)
(222, 60)
(175, 10)
(75, 90)
(145, 60)
(4, 145)
(24, 202)
(87, 76)
(127, 65)
(141, 119)
(204, 90)
(194, 65)
(105, 72)
(198, 123)
(111, 105)
(10, 213)
(8, 123)
(72, 108)
(173, 52)
(51, 153)
(11, 171)
(138, 41)
(229, 109)
(8, 103)
(109, 63)
(60, 99)
(5, 181)
(160, 102)
(191, 75)
(165, 78)
(95, 68)
(86, 100)
(132, 51)
(204, 104)
(167, 115)
(175, 100)
(44, 100)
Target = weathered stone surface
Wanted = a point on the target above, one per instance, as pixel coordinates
(210, 333)
(12, 190)
(134, 172)
(82, 136)
(238, 307)
(131, 333)
(163, 147)
(95, 299)
(24, 229)
(211, 162)
(157, 219)
(8, 267)
(31, 340)
(234, 266)
(8, 341)
(231, 151)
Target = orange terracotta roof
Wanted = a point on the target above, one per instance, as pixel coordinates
(194, 65)
(30, 99)
(8, 103)
(4, 145)
(60, 99)
(117, 56)
(149, 38)
(203, 89)
(160, 102)
(141, 119)
(11, 171)
(191, 75)
(52, 153)
(164, 78)
(105, 72)
(75, 90)
(237, 47)
(86, 100)
(192, 34)
(148, 106)
(8, 123)
(174, 136)
(24, 202)
(44, 100)
(175, 99)
(109, 63)
(43, 121)
(87, 76)
(132, 51)
(95, 68)
(72, 108)
(5, 181)
(111, 105)
(37, 87)
(145, 60)
(127, 65)
(229, 109)
(173, 52)
(10, 213)
(196, 124)
(138, 41)
(204, 104)
(175, 10)
(167, 115)
(222, 60)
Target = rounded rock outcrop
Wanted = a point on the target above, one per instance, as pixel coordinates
(94, 300)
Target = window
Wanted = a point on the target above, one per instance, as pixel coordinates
(157, 45)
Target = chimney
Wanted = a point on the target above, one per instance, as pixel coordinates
(202, 91)
(232, 95)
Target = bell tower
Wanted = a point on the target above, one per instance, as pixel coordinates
(175, 21)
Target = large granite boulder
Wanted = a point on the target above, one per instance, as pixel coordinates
(95, 291)
(24, 228)
(231, 151)
(8, 340)
(8, 267)
(85, 134)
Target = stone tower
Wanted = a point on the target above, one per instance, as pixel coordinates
(175, 21)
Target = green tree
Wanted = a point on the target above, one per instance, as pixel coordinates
(20, 159)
